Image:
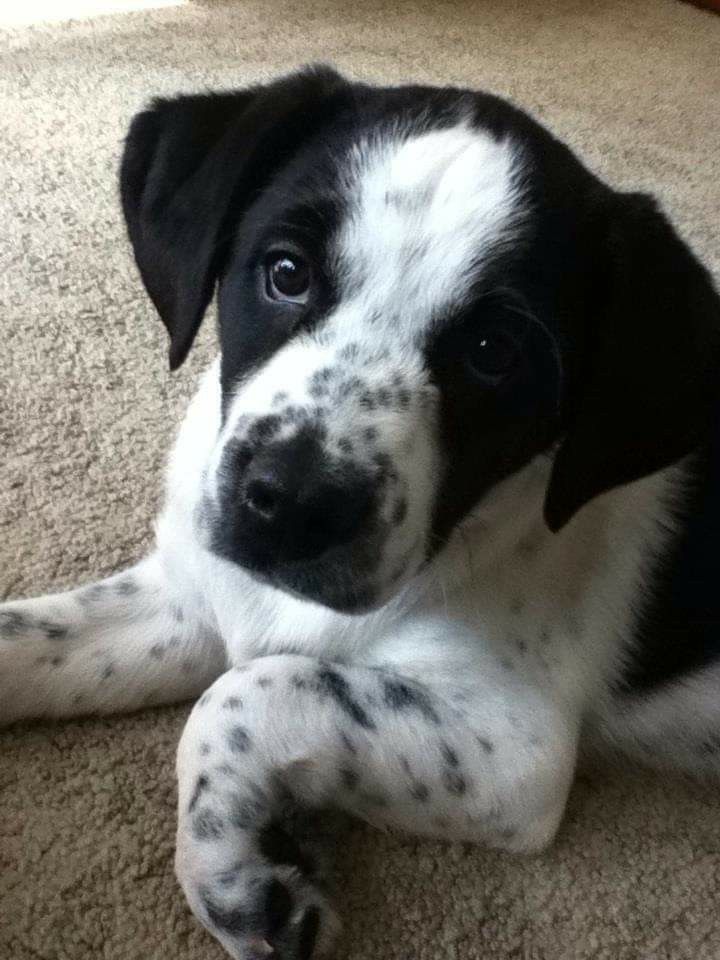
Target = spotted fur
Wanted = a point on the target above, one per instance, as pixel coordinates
(477, 561)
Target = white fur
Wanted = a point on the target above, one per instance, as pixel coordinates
(517, 634)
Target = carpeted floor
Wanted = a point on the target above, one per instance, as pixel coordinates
(87, 410)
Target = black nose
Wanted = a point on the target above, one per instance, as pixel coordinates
(295, 505)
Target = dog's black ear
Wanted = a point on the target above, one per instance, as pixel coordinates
(190, 166)
(650, 373)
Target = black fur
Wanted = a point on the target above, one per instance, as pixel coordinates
(615, 324)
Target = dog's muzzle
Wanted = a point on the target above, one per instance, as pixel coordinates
(294, 504)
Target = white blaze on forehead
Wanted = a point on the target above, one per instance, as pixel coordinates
(425, 213)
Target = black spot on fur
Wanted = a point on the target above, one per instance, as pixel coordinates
(521, 645)
(319, 382)
(349, 778)
(298, 682)
(207, 825)
(348, 744)
(228, 878)
(324, 375)
(383, 396)
(384, 467)
(449, 755)
(205, 749)
(352, 385)
(292, 413)
(367, 400)
(203, 782)
(232, 703)
(345, 445)
(337, 687)
(403, 396)
(400, 695)
(420, 792)
(351, 351)
(157, 651)
(308, 933)
(53, 631)
(264, 429)
(92, 594)
(264, 682)
(280, 397)
(319, 413)
(13, 623)
(710, 746)
(454, 782)
(107, 672)
(57, 661)
(485, 744)
(126, 587)
(370, 434)
(400, 511)
(177, 613)
(204, 699)
(239, 739)
(247, 811)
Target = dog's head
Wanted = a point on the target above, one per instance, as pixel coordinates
(419, 290)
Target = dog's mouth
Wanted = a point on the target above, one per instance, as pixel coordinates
(346, 577)
(343, 580)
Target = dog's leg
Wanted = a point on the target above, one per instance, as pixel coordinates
(475, 757)
(125, 642)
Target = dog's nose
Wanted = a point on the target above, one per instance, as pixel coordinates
(296, 505)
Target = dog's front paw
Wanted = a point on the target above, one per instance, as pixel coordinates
(260, 912)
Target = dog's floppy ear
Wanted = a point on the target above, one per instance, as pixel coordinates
(190, 166)
(651, 370)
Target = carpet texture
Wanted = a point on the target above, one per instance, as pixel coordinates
(87, 411)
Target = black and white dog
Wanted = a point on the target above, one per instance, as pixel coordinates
(445, 508)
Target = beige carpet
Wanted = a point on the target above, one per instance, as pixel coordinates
(87, 410)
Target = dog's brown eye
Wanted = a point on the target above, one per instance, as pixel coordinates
(494, 356)
(288, 277)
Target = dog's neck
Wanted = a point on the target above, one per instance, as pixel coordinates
(506, 532)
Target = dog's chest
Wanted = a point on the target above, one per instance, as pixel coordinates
(532, 609)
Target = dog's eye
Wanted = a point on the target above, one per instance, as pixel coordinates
(287, 277)
(494, 356)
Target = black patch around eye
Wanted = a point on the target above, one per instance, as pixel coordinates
(497, 368)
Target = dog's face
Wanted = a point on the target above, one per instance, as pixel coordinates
(409, 284)
(364, 324)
